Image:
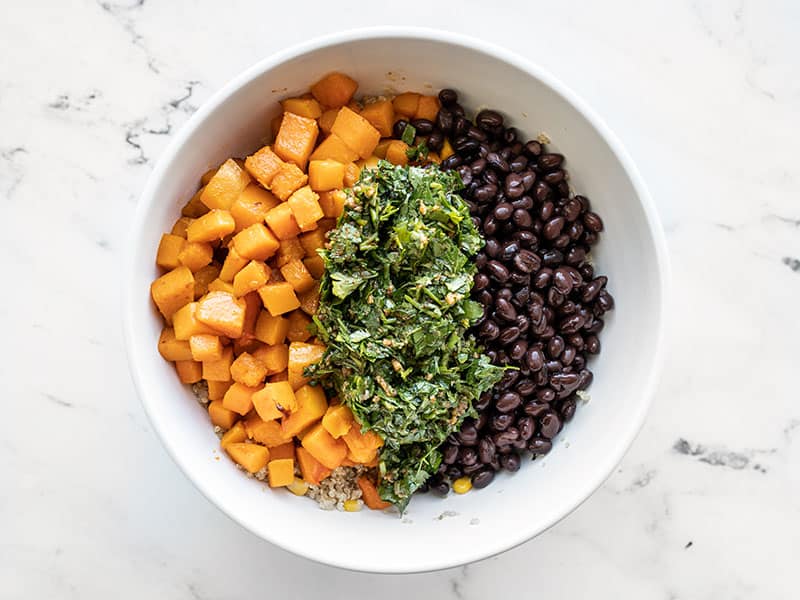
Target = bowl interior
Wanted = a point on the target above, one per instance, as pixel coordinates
(435, 533)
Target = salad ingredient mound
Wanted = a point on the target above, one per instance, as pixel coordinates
(394, 313)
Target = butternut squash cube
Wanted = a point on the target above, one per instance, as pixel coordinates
(271, 330)
(283, 451)
(250, 278)
(219, 370)
(324, 447)
(265, 405)
(356, 132)
(220, 286)
(239, 398)
(334, 90)
(315, 266)
(406, 103)
(221, 416)
(264, 165)
(252, 206)
(274, 358)
(313, 241)
(334, 148)
(268, 433)
(332, 202)
(305, 208)
(222, 312)
(281, 472)
(217, 389)
(248, 370)
(381, 116)
(298, 327)
(172, 290)
(189, 371)
(255, 242)
(351, 174)
(309, 300)
(311, 469)
(234, 262)
(180, 226)
(427, 108)
(447, 150)
(301, 355)
(396, 153)
(281, 222)
(290, 250)
(327, 119)
(296, 138)
(279, 298)
(297, 275)
(380, 149)
(338, 420)
(305, 107)
(205, 347)
(194, 207)
(169, 248)
(171, 348)
(362, 446)
(274, 398)
(203, 277)
(311, 406)
(234, 435)
(214, 225)
(251, 457)
(289, 179)
(225, 186)
(196, 255)
(324, 175)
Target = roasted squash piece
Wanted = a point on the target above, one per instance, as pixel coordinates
(296, 138)
(251, 457)
(281, 222)
(334, 90)
(251, 206)
(173, 349)
(189, 371)
(281, 472)
(239, 398)
(427, 108)
(334, 148)
(250, 278)
(264, 165)
(312, 470)
(205, 346)
(274, 358)
(305, 208)
(221, 416)
(381, 116)
(214, 225)
(406, 103)
(256, 242)
(248, 370)
(338, 420)
(169, 248)
(222, 312)
(311, 406)
(278, 298)
(219, 370)
(356, 132)
(289, 179)
(297, 275)
(305, 107)
(271, 330)
(324, 447)
(225, 186)
(172, 290)
(324, 175)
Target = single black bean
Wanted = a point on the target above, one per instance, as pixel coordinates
(605, 300)
(521, 218)
(510, 250)
(481, 421)
(513, 185)
(552, 229)
(579, 363)
(593, 222)
(497, 271)
(444, 120)
(449, 454)
(526, 426)
(486, 449)
(490, 226)
(441, 487)
(485, 192)
(496, 162)
(476, 134)
(576, 340)
(519, 278)
(500, 422)
(593, 344)
(589, 238)
(423, 126)
(568, 355)
(504, 293)
(489, 331)
(550, 161)
(466, 146)
(467, 456)
(572, 323)
(480, 282)
(527, 261)
(574, 231)
(546, 210)
(538, 445)
(523, 203)
(504, 309)
(484, 400)
(535, 409)
(535, 358)
(485, 297)
(460, 124)
(545, 395)
(585, 379)
(482, 478)
(510, 462)
(562, 281)
(568, 307)
(481, 260)
(453, 472)
(503, 211)
(518, 164)
(477, 166)
(518, 350)
(586, 270)
(532, 149)
(508, 379)
(451, 162)
(508, 335)
(543, 191)
(489, 119)
(542, 278)
(552, 258)
(435, 141)
(555, 297)
(528, 179)
(555, 346)
(399, 127)
(468, 436)
(448, 97)
(550, 424)
(508, 401)
(525, 387)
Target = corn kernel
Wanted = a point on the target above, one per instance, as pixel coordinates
(462, 485)
(352, 505)
(298, 487)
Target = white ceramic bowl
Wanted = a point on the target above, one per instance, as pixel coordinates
(632, 253)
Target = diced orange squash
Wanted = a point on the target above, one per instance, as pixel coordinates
(274, 398)
(351, 174)
(239, 398)
(283, 451)
(312, 470)
(281, 472)
(194, 207)
(251, 457)
(252, 206)
(265, 405)
(222, 312)
(334, 148)
(334, 90)
(203, 277)
(297, 275)
(250, 278)
(196, 255)
(274, 358)
(180, 226)
(248, 370)
(219, 370)
(305, 208)
(289, 179)
(367, 458)
(214, 225)
(447, 150)
(255, 242)
(370, 162)
(312, 241)
(290, 250)
(281, 222)
(171, 348)
(217, 389)
(427, 108)
(406, 103)
(396, 153)
(234, 435)
(324, 175)
(315, 266)
(169, 248)
(356, 132)
(324, 447)
(296, 138)
(301, 355)
(282, 376)
(264, 165)
(234, 263)
(220, 286)
(268, 433)
(362, 445)
(172, 290)
(205, 346)
(338, 420)
(186, 323)
(369, 494)
(434, 158)
(271, 330)
(206, 177)
(305, 107)
(327, 119)
(311, 406)
(278, 298)
(189, 371)
(309, 300)
(380, 149)
(225, 186)
(332, 202)
(298, 327)
(381, 116)
(221, 416)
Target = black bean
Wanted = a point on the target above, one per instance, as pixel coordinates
(585, 379)
(552, 229)
(550, 161)
(441, 487)
(567, 410)
(555, 297)
(543, 191)
(444, 120)
(399, 127)
(518, 164)
(480, 282)
(554, 177)
(552, 258)
(593, 222)
(485, 297)
(518, 350)
(549, 424)
(503, 211)
(508, 401)
(508, 335)
(476, 134)
(605, 300)
(545, 395)
(532, 149)
(483, 401)
(593, 344)
(525, 387)
(482, 478)
(478, 165)
(453, 472)
(467, 456)
(568, 355)
(423, 126)
(574, 231)
(521, 218)
(504, 293)
(468, 436)
(513, 185)
(504, 309)
(528, 179)
(449, 454)
(435, 141)
(460, 124)
(500, 422)
(495, 161)
(572, 323)
(510, 250)
(510, 462)
(489, 331)
(451, 162)
(497, 271)
(539, 445)
(466, 146)
(448, 97)
(486, 449)
(489, 119)
(523, 203)
(535, 358)
(485, 192)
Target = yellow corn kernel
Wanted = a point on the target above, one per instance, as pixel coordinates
(352, 505)
(462, 485)
(298, 487)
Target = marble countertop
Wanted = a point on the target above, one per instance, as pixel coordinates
(705, 95)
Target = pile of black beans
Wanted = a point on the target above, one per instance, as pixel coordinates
(543, 302)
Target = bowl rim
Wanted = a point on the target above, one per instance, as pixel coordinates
(592, 482)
